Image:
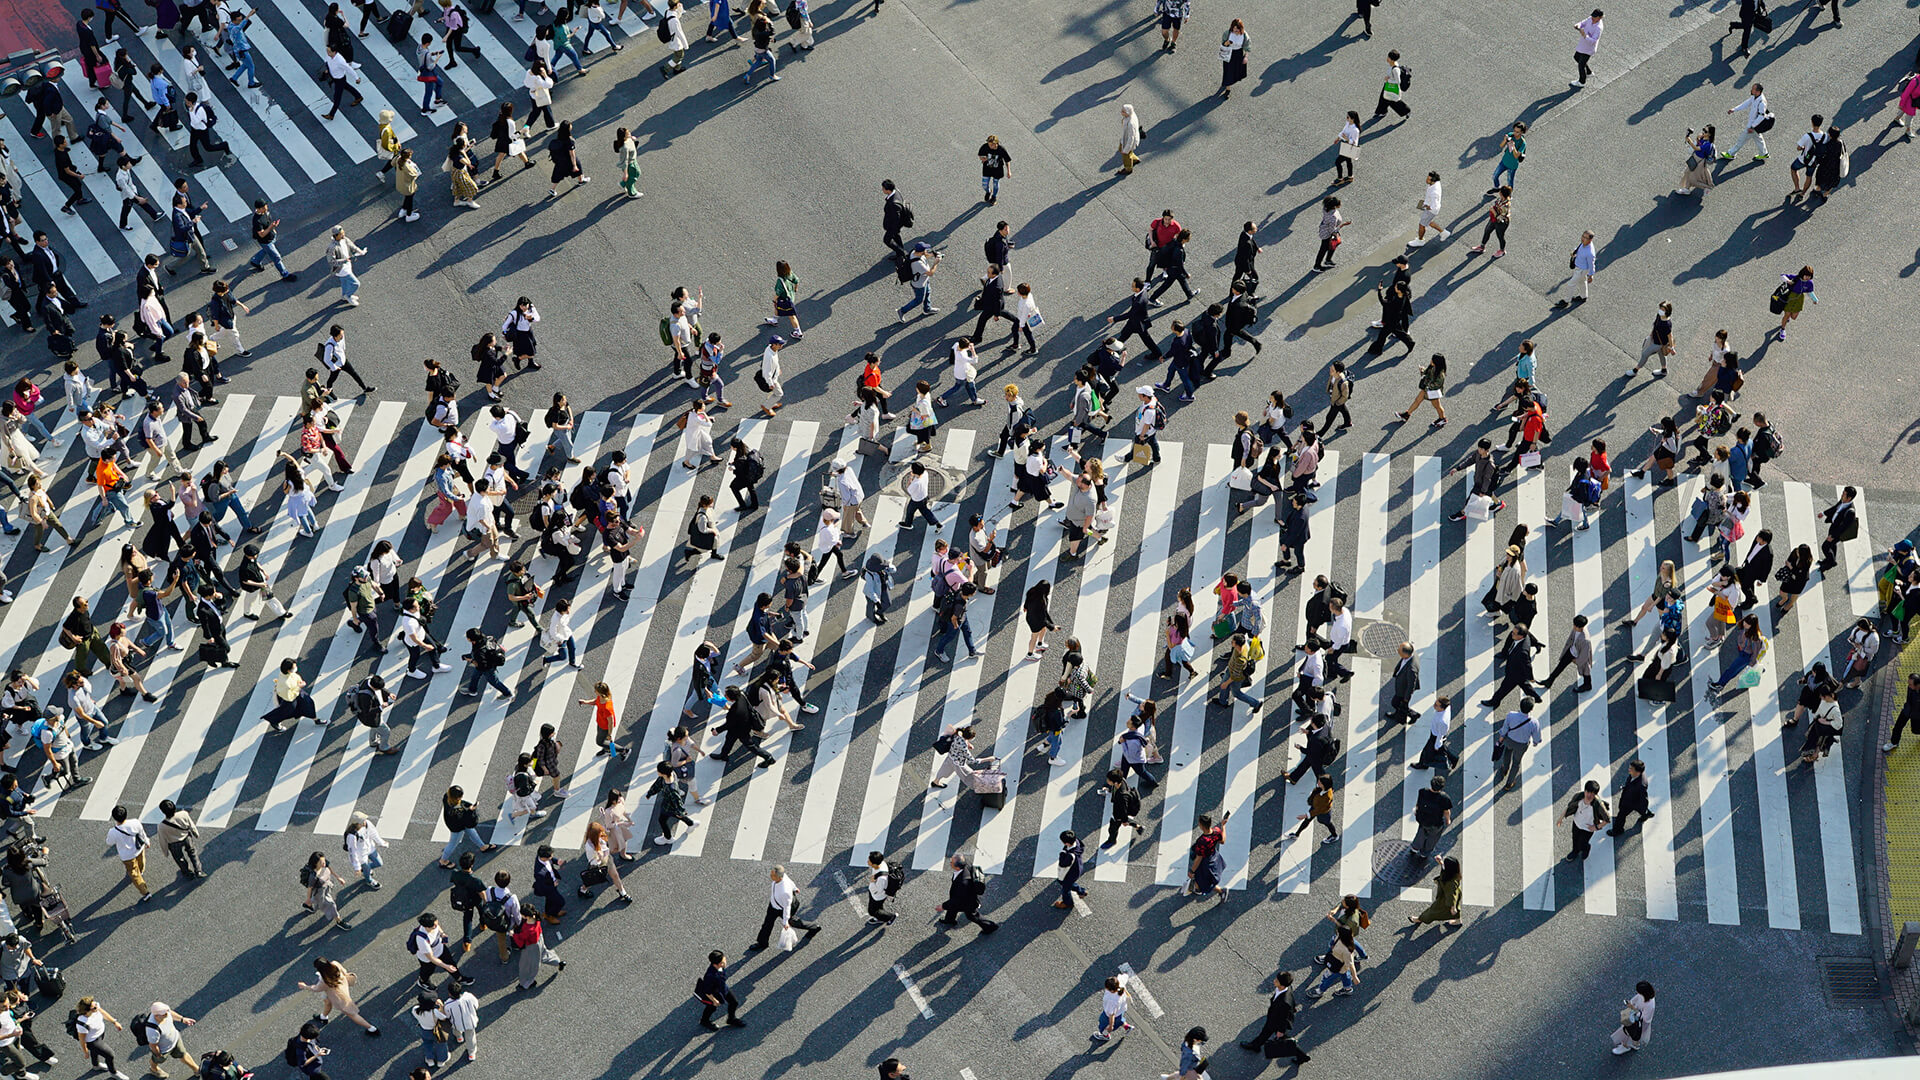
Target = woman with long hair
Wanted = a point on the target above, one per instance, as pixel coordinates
(335, 987)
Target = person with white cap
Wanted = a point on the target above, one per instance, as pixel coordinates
(1148, 420)
(163, 1037)
(846, 484)
(924, 263)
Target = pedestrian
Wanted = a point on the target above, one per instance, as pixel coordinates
(967, 885)
(1114, 1000)
(1636, 1020)
(1206, 862)
(1233, 56)
(1699, 171)
(178, 834)
(1791, 297)
(1073, 857)
(335, 987)
(1632, 798)
(1588, 812)
(995, 165)
(363, 843)
(1518, 731)
(339, 69)
(711, 988)
(566, 162)
(1753, 16)
(1831, 166)
(1446, 897)
(1842, 525)
(1392, 91)
(665, 791)
(1513, 151)
(1130, 135)
(1173, 14)
(340, 254)
(1589, 29)
(761, 32)
(323, 886)
(1331, 222)
(1396, 316)
(1432, 809)
(129, 839)
(1343, 964)
(780, 905)
(1577, 651)
(1758, 120)
(162, 1029)
(89, 1027)
(1810, 149)
(1193, 1063)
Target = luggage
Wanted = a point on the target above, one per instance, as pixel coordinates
(1657, 690)
(53, 985)
(397, 26)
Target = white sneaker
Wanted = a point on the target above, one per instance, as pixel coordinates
(412, 674)
(1056, 761)
(443, 667)
(1377, 324)
(1416, 243)
(663, 840)
(810, 708)
(537, 815)
(1886, 748)
(353, 301)
(1446, 234)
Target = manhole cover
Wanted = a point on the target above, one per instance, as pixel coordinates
(1850, 980)
(939, 480)
(1392, 866)
(1382, 638)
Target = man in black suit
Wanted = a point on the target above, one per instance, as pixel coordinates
(15, 284)
(1843, 524)
(963, 896)
(893, 218)
(1280, 1013)
(1207, 337)
(999, 248)
(1633, 798)
(1516, 665)
(1406, 679)
(1240, 314)
(1138, 321)
(1756, 568)
(47, 270)
(1244, 255)
(1318, 753)
(712, 992)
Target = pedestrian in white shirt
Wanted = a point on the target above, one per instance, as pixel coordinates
(826, 541)
(130, 842)
(965, 370)
(363, 843)
(559, 634)
(1429, 209)
(340, 71)
(879, 885)
(698, 440)
(1755, 112)
(463, 1014)
(340, 253)
(1589, 28)
(769, 377)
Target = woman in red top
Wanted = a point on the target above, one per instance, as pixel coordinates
(870, 382)
(604, 719)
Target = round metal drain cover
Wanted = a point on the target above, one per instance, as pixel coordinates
(939, 482)
(1393, 866)
(1382, 639)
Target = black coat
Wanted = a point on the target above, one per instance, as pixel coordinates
(961, 897)
(1240, 315)
(1406, 678)
(1244, 254)
(1758, 566)
(1206, 335)
(1633, 797)
(1516, 657)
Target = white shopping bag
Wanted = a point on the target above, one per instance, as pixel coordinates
(1479, 507)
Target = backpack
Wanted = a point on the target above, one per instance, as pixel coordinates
(906, 216)
(72, 1025)
(1406, 77)
(523, 785)
(665, 35)
(493, 913)
(306, 880)
(212, 117)
(793, 16)
(1250, 618)
(1587, 491)
(1770, 439)
(902, 268)
(894, 873)
(1126, 803)
(1718, 421)
(1777, 303)
(413, 939)
(492, 654)
(976, 881)
(140, 1028)
(666, 331)
(756, 467)
(366, 706)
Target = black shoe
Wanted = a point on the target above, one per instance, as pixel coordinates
(734, 1021)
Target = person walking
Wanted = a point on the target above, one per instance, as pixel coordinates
(780, 904)
(1129, 140)
(1583, 263)
(1233, 56)
(1589, 29)
(996, 165)
(88, 1025)
(1114, 1000)
(335, 987)
(129, 839)
(1589, 813)
(1632, 798)
(340, 255)
(1518, 731)
(1073, 862)
(1758, 119)
(1393, 90)
(1790, 298)
(1699, 171)
(1577, 651)
(1446, 897)
(1842, 525)
(565, 156)
(1636, 1020)
(1432, 809)
(965, 889)
(1173, 14)
(1281, 1010)
(711, 988)
(1331, 222)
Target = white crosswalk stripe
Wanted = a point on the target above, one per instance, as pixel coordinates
(841, 776)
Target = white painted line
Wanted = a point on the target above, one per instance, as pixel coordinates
(903, 690)
(100, 184)
(268, 178)
(264, 106)
(966, 1074)
(913, 992)
(149, 171)
(664, 539)
(1656, 836)
(290, 635)
(1134, 985)
(1180, 791)
(1243, 742)
(1294, 871)
(1423, 630)
(696, 624)
(1537, 810)
(197, 717)
(80, 245)
(1769, 765)
(1062, 790)
(1709, 733)
(1829, 773)
(849, 676)
(1144, 638)
(302, 756)
(435, 698)
(856, 894)
(1860, 558)
(310, 97)
(112, 773)
(1590, 712)
(1364, 730)
(783, 517)
(1479, 790)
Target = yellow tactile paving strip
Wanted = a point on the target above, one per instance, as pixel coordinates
(1898, 825)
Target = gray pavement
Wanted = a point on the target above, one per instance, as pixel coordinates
(737, 178)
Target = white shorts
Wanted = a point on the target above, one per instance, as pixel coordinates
(1426, 218)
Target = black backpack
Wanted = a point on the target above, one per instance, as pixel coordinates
(306, 880)
(366, 705)
(976, 881)
(665, 35)
(906, 216)
(894, 873)
(72, 1025)
(902, 268)
(756, 467)
(1406, 77)
(140, 1028)
(492, 654)
(793, 16)
(493, 913)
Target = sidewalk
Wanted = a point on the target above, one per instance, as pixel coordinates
(1896, 794)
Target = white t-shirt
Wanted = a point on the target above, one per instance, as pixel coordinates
(1432, 198)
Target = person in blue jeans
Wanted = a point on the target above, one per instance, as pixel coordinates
(762, 48)
(952, 618)
(265, 228)
(1513, 150)
(482, 661)
(428, 1013)
(1343, 964)
(463, 821)
(925, 262)
(1749, 646)
(159, 621)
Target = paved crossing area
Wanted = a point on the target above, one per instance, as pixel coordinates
(278, 135)
(1739, 836)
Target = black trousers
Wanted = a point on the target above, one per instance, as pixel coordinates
(1133, 329)
(1388, 333)
(1510, 682)
(198, 138)
(347, 367)
(1620, 816)
(1399, 107)
(1402, 711)
(1227, 349)
(733, 1006)
(891, 237)
(1582, 842)
(744, 496)
(1494, 228)
(145, 206)
(773, 916)
(187, 424)
(1324, 257)
(750, 741)
(1586, 681)
(1345, 416)
(1581, 60)
(1173, 276)
(980, 325)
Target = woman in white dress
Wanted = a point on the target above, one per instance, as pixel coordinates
(1636, 1025)
(699, 437)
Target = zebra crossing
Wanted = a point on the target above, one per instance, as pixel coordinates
(1740, 834)
(272, 130)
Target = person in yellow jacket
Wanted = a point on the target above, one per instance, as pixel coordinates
(389, 143)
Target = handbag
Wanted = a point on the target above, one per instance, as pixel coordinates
(442, 1031)
(1333, 241)
(789, 937)
(1034, 321)
(1530, 458)
(760, 380)
(1499, 747)
(1222, 626)
(593, 875)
